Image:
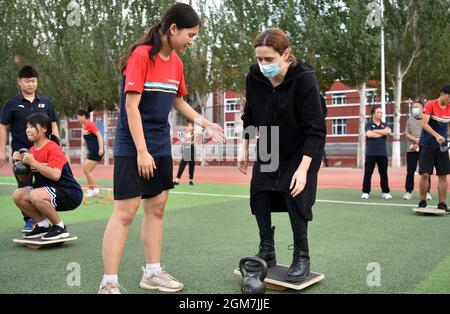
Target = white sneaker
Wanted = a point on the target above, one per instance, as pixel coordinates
(386, 196)
(365, 196)
(109, 287)
(407, 196)
(160, 280)
(92, 192)
(429, 198)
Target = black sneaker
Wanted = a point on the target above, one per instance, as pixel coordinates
(56, 232)
(443, 206)
(423, 204)
(191, 183)
(176, 183)
(37, 232)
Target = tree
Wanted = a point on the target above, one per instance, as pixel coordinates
(353, 48)
(411, 27)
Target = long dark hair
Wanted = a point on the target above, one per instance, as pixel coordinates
(44, 121)
(85, 112)
(180, 14)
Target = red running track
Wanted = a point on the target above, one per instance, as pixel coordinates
(345, 178)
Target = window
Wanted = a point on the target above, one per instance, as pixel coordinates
(339, 99)
(73, 117)
(230, 130)
(180, 134)
(339, 126)
(231, 105)
(98, 121)
(112, 115)
(75, 134)
(111, 133)
(371, 97)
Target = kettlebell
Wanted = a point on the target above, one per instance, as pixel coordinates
(21, 168)
(253, 282)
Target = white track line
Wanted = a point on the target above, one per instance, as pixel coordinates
(247, 196)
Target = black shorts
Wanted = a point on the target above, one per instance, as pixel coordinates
(59, 199)
(94, 156)
(433, 158)
(128, 183)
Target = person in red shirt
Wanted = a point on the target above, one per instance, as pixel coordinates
(54, 188)
(153, 84)
(94, 144)
(436, 117)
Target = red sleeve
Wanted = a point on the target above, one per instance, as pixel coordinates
(428, 109)
(55, 157)
(91, 127)
(182, 91)
(135, 73)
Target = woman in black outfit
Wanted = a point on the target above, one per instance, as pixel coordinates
(188, 155)
(283, 95)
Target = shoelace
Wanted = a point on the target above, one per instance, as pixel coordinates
(165, 275)
(109, 286)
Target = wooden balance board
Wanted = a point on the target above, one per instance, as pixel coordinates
(39, 243)
(430, 211)
(276, 279)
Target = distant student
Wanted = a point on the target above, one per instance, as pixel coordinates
(94, 143)
(54, 188)
(436, 117)
(188, 155)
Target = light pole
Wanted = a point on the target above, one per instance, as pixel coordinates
(383, 70)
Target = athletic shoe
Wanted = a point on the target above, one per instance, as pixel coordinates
(386, 196)
(429, 198)
(443, 206)
(56, 233)
(37, 232)
(365, 196)
(28, 226)
(176, 183)
(191, 183)
(109, 287)
(423, 204)
(407, 196)
(160, 280)
(92, 192)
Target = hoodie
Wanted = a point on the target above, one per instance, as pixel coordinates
(299, 111)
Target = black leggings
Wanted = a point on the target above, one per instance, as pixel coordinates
(188, 158)
(264, 219)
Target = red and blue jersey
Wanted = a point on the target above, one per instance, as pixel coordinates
(159, 83)
(51, 155)
(439, 120)
(90, 137)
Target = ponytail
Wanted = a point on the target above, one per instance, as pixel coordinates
(54, 138)
(86, 113)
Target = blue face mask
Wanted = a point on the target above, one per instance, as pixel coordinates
(270, 70)
(416, 112)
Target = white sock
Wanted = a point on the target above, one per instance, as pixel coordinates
(152, 268)
(43, 223)
(61, 224)
(110, 278)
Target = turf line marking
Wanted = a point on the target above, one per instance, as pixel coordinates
(246, 196)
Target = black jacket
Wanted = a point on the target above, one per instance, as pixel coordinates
(298, 109)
